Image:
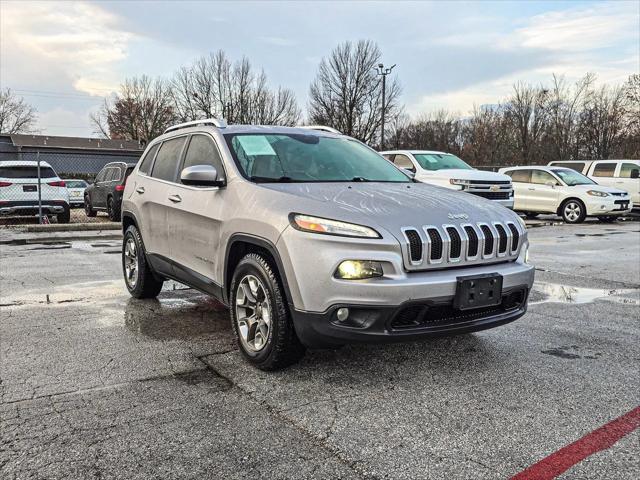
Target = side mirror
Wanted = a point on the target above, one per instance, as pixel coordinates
(635, 173)
(550, 184)
(201, 176)
(411, 173)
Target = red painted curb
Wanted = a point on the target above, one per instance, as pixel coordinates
(565, 458)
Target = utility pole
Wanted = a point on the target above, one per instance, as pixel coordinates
(381, 70)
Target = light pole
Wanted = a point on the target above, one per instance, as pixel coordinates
(381, 70)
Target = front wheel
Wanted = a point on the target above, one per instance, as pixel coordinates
(88, 209)
(65, 216)
(138, 276)
(260, 318)
(113, 210)
(573, 211)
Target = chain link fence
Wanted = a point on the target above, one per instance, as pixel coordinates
(61, 187)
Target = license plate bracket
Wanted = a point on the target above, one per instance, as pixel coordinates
(29, 188)
(477, 291)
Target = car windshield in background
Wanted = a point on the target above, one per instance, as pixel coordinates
(26, 172)
(572, 178)
(441, 161)
(309, 158)
(75, 183)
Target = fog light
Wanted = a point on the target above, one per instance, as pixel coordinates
(342, 314)
(358, 270)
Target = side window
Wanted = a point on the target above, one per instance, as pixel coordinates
(403, 161)
(388, 156)
(541, 177)
(603, 169)
(203, 151)
(145, 165)
(115, 175)
(101, 175)
(520, 176)
(577, 166)
(167, 159)
(626, 170)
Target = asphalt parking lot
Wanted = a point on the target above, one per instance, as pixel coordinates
(95, 384)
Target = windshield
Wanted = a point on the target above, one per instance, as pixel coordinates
(309, 158)
(440, 161)
(75, 183)
(572, 178)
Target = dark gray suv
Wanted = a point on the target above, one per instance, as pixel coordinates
(105, 193)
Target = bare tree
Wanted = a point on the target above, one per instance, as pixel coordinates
(346, 93)
(214, 87)
(16, 115)
(527, 110)
(487, 136)
(142, 110)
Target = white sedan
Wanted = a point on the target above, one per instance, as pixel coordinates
(565, 192)
(76, 187)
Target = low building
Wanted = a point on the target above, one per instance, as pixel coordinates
(69, 156)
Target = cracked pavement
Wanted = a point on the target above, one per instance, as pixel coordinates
(95, 384)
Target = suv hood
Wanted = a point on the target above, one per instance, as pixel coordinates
(598, 188)
(465, 174)
(390, 205)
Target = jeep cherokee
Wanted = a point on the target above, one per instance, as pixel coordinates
(315, 240)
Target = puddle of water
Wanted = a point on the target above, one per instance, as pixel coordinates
(551, 292)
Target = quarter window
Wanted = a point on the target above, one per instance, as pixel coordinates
(203, 151)
(627, 168)
(577, 166)
(145, 165)
(403, 161)
(604, 169)
(541, 177)
(520, 176)
(167, 159)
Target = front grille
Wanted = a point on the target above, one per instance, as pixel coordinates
(617, 194)
(415, 245)
(502, 236)
(425, 316)
(488, 239)
(472, 248)
(515, 237)
(436, 244)
(455, 248)
(493, 195)
(491, 182)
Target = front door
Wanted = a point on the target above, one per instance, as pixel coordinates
(543, 192)
(627, 179)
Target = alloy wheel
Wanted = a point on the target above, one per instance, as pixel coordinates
(572, 211)
(253, 313)
(131, 262)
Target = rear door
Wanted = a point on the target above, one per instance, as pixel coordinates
(627, 179)
(520, 180)
(151, 194)
(603, 173)
(543, 192)
(98, 195)
(195, 216)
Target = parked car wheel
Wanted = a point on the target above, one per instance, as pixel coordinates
(573, 211)
(65, 216)
(88, 209)
(531, 215)
(138, 276)
(260, 318)
(113, 210)
(609, 219)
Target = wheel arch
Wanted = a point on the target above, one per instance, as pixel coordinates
(129, 219)
(238, 246)
(565, 200)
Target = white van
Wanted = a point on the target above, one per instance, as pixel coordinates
(622, 174)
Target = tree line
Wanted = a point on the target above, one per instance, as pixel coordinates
(534, 124)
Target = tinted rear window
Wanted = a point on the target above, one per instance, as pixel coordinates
(26, 172)
(75, 183)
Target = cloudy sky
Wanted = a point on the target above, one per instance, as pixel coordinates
(65, 57)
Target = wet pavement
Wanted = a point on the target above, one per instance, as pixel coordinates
(95, 384)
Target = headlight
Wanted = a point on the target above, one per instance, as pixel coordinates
(307, 223)
(596, 193)
(358, 270)
(458, 181)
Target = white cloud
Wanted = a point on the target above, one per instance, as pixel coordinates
(278, 41)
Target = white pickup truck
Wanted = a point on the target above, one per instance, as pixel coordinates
(447, 170)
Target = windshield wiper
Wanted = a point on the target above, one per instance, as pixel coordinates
(360, 179)
(259, 179)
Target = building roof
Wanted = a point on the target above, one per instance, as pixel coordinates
(75, 143)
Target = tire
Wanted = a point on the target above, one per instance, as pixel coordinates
(88, 210)
(573, 211)
(134, 262)
(531, 215)
(268, 345)
(113, 210)
(65, 216)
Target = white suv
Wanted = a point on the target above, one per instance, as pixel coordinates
(446, 170)
(19, 190)
(565, 192)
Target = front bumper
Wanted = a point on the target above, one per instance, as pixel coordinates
(28, 207)
(609, 206)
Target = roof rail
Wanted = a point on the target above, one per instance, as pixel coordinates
(214, 122)
(322, 128)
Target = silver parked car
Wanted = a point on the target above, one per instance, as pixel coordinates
(315, 240)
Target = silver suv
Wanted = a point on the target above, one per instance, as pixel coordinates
(315, 240)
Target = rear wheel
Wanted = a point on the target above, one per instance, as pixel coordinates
(260, 318)
(88, 209)
(65, 216)
(531, 215)
(138, 276)
(113, 210)
(573, 211)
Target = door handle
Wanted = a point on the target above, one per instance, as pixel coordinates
(175, 198)
(531, 188)
(140, 190)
